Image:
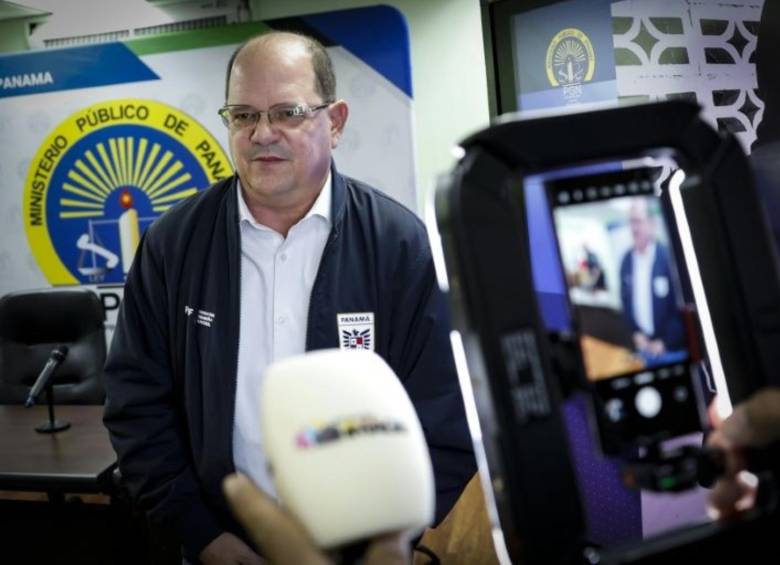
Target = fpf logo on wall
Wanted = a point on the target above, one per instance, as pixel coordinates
(570, 62)
(102, 176)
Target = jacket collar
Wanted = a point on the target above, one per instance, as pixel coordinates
(338, 197)
(321, 207)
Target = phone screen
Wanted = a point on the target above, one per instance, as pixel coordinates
(625, 297)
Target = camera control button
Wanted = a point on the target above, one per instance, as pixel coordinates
(615, 410)
(681, 393)
(648, 402)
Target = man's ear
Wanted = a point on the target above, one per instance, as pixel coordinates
(338, 112)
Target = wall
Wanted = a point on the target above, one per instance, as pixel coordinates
(13, 35)
(90, 17)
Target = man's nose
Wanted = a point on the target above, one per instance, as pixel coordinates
(264, 130)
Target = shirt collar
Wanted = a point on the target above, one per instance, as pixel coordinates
(648, 254)
(321, 206)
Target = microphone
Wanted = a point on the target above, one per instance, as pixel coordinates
(55, 359)
(346, 449)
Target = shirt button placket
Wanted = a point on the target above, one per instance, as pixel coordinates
(281, 278)
(280, 317)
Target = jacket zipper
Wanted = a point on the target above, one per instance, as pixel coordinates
(238, 349)
(331, 241)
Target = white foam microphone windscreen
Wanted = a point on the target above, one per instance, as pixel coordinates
(346, 448)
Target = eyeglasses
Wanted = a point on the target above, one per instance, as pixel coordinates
(238, 116)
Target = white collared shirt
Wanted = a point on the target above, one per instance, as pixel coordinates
(277, 275)
(643, 289)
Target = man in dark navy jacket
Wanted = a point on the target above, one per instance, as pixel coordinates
(286, 256)
(648, 288)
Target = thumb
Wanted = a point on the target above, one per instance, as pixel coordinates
(388, 549)
(755, 422)
(277, 535)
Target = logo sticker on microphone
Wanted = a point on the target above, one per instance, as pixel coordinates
(318, 435)
(356, 330)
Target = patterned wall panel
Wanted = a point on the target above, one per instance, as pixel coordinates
(702, 50)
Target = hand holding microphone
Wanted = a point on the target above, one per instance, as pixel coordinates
(751, 430)
(283, 539)
(349, 460)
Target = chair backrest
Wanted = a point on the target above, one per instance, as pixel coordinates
(32, 324)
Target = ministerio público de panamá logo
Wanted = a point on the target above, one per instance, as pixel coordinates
(103, 176)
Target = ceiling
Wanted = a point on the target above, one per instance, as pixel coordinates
(14, 11)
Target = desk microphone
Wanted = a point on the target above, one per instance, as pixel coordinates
(346, 449)
(55, 359)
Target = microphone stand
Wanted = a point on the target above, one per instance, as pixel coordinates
(52, 426)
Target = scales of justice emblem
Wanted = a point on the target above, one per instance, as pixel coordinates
(92, 247)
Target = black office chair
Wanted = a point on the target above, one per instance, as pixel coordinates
(32, 324)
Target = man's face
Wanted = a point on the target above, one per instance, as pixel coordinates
(642, 225)
(279, 164)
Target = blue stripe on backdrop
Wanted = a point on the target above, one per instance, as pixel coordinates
(70, 68)
(356, 31)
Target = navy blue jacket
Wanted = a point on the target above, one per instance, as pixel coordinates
(667, 317)
(171, 382)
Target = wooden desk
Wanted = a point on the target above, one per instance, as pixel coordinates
(79, 459)
(464, 537)
(604, 360)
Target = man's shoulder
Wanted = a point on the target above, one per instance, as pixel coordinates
(625, 259)
(661, 250)
(381, 208)
(663, 257)
(197, 209)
